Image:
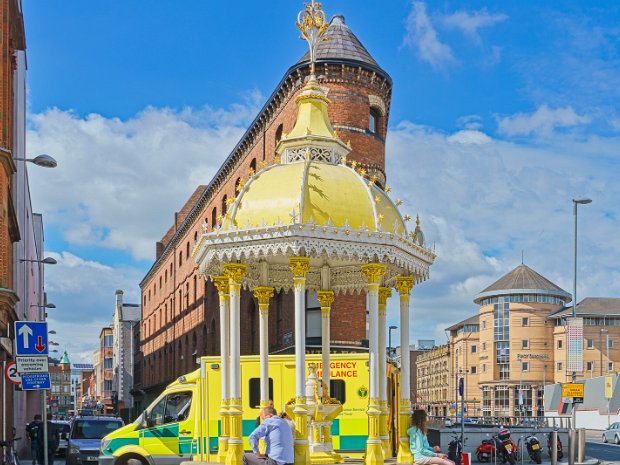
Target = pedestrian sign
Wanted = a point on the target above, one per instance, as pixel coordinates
(35, 381)
(30, 338)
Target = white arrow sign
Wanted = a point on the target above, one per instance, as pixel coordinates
(26, 332)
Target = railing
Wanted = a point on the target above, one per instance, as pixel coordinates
(497, 421)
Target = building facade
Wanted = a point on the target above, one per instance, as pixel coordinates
(105, 371)
(180, 311)
(465, 343)
(60, 402)
(434, 380)
(126, 316)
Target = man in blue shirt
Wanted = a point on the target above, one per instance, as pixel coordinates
(278, 438)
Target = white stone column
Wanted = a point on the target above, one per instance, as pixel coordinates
(222, 285)
(300, 266)
(263, 294)
(374, 449)
(384, 294)
(235, 273)
(326, 299)
(403, 286)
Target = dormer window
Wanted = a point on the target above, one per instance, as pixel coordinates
(373, 121)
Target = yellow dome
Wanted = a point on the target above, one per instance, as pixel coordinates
(313, 192)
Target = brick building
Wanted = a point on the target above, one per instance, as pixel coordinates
(104, 370)
(60, 401)
(180, 311)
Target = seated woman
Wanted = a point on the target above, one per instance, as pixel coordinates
(423, 453)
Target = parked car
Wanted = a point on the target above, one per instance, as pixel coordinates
(85, 437)
(63, 428)
(612, 433)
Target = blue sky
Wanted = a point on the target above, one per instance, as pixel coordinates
(501, 113)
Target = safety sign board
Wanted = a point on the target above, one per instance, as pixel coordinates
(572, 390)
(35, 381)
(32, 364)
(30, 338)
(11, 373)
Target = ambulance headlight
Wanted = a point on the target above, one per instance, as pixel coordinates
(105, 442)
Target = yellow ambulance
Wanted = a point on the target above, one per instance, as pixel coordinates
(184, 420)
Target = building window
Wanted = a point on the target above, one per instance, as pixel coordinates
(213, 218)
(559, 368)
(253, 165)
(180, 258)
(373, 121)
(187, 248)
(590, 343)
(473, 349)
(610, 366)
(107, 385)
(525, 344)
(107, 363)
(525, 321)
(559, 343)
(108, 340)
(484, 367)
(484, 324)
(474, 370)
(610, 344)
(224, 204)
(589, 366)
(484, 347)
(238, 185)
(525, 366)
(278, 136)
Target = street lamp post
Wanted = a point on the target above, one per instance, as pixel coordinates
(600, 344)
(390, 328)
(46, 161)
(576, 202)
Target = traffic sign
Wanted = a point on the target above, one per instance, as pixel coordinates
(35, 381)
(11, 373)
(32, 364)
(572, 389)
(30, 338)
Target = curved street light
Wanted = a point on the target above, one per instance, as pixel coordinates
(43, 160)
(50, 305)
(45, 261)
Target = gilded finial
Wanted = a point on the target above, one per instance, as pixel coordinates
(251, 172)
(353, 164)
(407, 217)
(343, 160)
(311, 22)
(398, 202)
(262, 164)
(387, 189)
(230, 201)
(240, 185)
(276, 159)
(417, 221)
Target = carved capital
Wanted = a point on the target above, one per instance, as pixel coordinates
(222, 284)
(263, 294)
(373, 272)
(235, 272)
(325, 298)
(404, 284)
(384, 294)
(299, 266)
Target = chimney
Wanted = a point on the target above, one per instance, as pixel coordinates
(119, 299)
(159, 249)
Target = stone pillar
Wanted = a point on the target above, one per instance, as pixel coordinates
(300, 266)
(374, 449)
(222, 285)
(403, 286)
(326, 299)
(235, 273)
(263, 294)
(384, 293)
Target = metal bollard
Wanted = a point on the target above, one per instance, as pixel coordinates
(572, 446)
(581, 445)
(554, 448)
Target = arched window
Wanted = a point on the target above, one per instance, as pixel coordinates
(187, 248)
(195, 236)
(237, 184)
(278, 137)
(180, 258)
(373, 120)
(224, 204)
(253, 165)
(213, 218)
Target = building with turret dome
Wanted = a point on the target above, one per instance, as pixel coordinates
(180, 317)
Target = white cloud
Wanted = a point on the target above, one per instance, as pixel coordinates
(422, 37)
(471, 22)
(84, 294)
(118, 183)
(469, 136)
(482, 204)
(543, 122)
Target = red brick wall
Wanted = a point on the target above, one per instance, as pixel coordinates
(167, 335)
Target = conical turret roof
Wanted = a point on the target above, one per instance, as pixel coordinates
(341, 45)
(65, 359)
(523, 280)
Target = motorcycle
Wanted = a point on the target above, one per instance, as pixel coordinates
(455, 450)
(502, 445)
(533, 448)
(560, 453)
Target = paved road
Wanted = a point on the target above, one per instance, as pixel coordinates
(603, 452)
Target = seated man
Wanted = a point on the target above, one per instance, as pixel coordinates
(278, 440)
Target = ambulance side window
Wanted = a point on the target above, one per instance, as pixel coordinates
(255, 392)
(156, 415)
(337, 390)
(177, 406)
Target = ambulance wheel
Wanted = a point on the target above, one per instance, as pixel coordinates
(131, 459)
